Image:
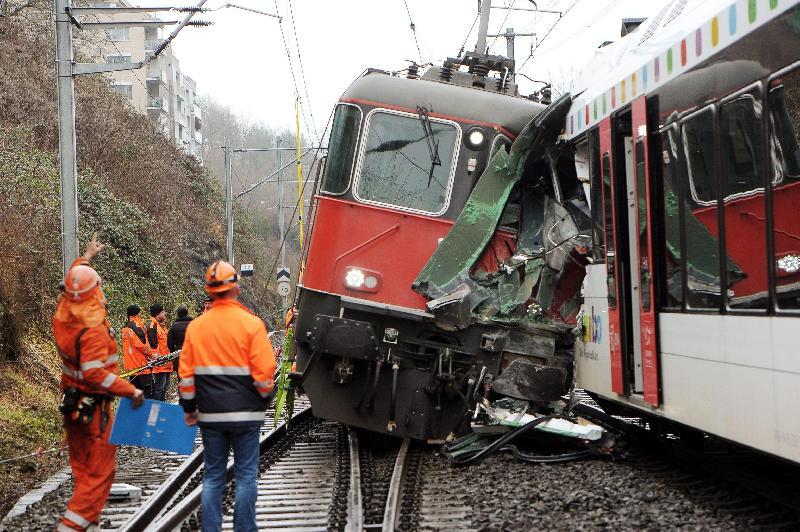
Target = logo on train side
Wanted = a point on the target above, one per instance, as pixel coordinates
(592, 328)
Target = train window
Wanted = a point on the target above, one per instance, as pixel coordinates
(341, 149)
(644, 238)
(743, 182)
(608, 212)
(596, 193)
(700, 223)
(403, 166)
(671, 251)
(698, 144)
(784, 102)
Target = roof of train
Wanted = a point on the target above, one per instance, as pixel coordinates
(444, 99)
(683, 34)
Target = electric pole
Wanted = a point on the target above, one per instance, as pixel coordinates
(67, 160)
(66, 69)
(229, 200)
(281, 221)
(483, 27)
(280, 216)
(510, 43)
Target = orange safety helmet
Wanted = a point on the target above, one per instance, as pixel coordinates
(80, 281)
(220, 277)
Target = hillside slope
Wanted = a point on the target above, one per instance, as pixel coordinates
(157, 209)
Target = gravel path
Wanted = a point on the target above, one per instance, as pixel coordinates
(143, 468)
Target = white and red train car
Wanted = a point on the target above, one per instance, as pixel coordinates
(686, 135)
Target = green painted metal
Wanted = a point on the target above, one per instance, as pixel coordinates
(449, 266)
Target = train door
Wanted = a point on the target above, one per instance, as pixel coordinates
(647, 358)
(615, 333)
(632, 324)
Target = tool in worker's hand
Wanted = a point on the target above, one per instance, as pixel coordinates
(152, 363)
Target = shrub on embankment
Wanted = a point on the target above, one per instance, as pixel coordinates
(157, 209)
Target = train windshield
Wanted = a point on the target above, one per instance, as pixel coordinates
(404, 164)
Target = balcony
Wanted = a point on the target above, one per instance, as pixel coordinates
(157, 103)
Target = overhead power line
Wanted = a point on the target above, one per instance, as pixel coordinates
(538, 44)
(502, 24)
(303, 74)
(464, 44)
(291, 70)
(413, 31)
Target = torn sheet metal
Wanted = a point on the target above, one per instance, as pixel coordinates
(514, 413)
(449, 266)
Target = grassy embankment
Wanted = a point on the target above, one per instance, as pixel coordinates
(157, 209)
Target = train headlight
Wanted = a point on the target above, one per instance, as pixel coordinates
(354, 278)
(789, 264)
(476, 138)
(361, 279)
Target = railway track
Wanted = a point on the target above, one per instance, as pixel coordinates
(319, 475)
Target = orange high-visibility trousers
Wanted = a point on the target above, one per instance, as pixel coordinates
(93, 462)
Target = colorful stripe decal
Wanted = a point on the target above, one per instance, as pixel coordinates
(706, 39)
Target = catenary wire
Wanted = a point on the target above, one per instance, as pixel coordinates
(413, 31)
(291, 66)
(461, 50)
(538, 44)
(302, 73)
(497, 33)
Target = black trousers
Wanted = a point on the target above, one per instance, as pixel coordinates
(153, 385)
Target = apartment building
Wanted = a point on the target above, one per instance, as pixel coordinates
(161, 90)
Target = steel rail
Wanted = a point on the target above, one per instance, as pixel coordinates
(355, 509)
(391, 513)
(145, 518)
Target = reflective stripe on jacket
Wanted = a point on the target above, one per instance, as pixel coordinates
(227, 366)
(96, 372)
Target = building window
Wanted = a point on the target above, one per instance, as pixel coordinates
(179, 104)
(125, 89)
(118, 34)
(118, 58)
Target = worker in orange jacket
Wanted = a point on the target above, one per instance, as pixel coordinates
(136, 351)
(227, 368)
(157, 339)
(89, 379)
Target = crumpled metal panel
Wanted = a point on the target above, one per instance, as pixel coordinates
(449, 266)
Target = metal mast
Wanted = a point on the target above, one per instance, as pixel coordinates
(229, 200)
(66, 135)
(483, 27)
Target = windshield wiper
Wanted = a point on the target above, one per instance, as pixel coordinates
(433, 144)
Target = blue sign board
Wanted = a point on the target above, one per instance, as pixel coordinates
(156, 424)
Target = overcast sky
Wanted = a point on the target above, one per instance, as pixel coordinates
(241, 60)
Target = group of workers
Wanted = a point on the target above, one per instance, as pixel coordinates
(226, 380)
(141, 343)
